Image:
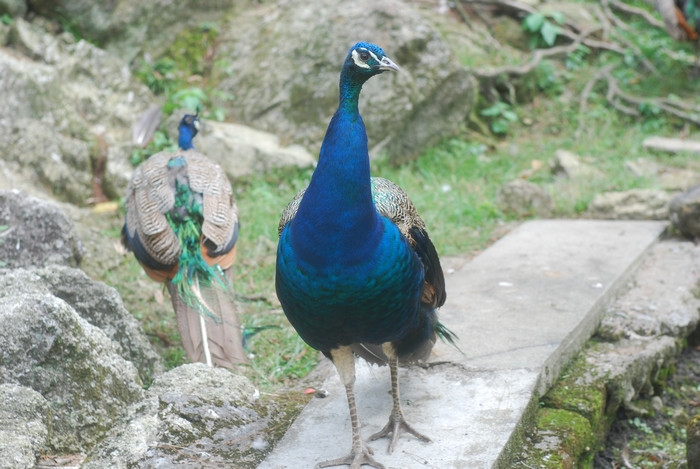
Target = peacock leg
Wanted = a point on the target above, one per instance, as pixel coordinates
(360, 454)
(397, 423)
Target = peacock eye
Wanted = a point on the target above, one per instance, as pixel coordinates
(364, 56)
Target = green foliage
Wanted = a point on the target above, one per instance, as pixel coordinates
(543, 28)
(160, 76)
(190, 59)
(193, 49)
(6, 19)
(501, 116)
(547, 78)
(577, 59)
(198, 98)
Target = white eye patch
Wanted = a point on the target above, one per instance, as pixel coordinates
(359, 62)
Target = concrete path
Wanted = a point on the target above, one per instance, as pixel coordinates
(521, 309)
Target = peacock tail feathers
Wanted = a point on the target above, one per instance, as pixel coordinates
(446, 335)
(193, 273)
(691, 11)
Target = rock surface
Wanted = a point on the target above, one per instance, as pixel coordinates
(192, 416)
(570, 165)
(635, 204)
(24, 426)
(34, 232)
(684, 212)
(525, 198)
(48, 347)
(102, 307)
(287, 82)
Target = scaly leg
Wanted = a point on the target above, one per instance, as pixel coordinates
(397, 423)
(360, 454)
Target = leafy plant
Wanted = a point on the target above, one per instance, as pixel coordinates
(197, 98)
(159, 76)
(6, 19)
(501, 117)
(577, 59)
(544, 28)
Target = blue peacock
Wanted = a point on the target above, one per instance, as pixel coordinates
(182, 226)
(356, 271)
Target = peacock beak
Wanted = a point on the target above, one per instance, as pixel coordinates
(387, 64)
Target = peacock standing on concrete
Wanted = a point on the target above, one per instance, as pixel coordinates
(182, 225)
(356, 270)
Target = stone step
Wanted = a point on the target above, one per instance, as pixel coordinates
(521, 309)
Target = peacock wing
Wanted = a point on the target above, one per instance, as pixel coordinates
(150, 196)
(290, 211)
(392, 202)
(220, 225)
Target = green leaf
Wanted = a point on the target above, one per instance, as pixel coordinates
(218, 114)
(533, 22)
(549, 33)
(558, 17)
(499, 126)
(492, 111)
(510, 115)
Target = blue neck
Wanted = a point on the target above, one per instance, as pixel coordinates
(337, 208)
(184, 138)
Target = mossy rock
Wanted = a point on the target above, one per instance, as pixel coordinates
(565, 440)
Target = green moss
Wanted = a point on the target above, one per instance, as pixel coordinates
(567, 440)
(573, 393)
(193, 49)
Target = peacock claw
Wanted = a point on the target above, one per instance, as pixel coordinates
(355, 459)
(395, 426)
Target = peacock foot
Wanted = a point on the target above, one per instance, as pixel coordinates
(397, 425)
(355, 459)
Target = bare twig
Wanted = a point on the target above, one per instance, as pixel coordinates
(646, 16)
(629, 104)
(535, 59)
(605, 4)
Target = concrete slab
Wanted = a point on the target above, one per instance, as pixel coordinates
(522, 308)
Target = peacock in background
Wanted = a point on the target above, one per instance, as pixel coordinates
(182, 225)
(681, 17)
(356, 271)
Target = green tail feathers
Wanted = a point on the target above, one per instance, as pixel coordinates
(446, 335)
(691, 11)
(194, 275)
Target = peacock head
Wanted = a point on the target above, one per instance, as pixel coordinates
(366, 60)
(188, 128)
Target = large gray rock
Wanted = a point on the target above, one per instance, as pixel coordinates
(24, 423)
(125, 27)
(286, 81)
(525, 198)
(69, 101)
(684, 212)
(13, 8)
(570, 165)
(241, 150)
(102, 306)
(48, 347)
(635, 204)
(35, 233)
(193, 416)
